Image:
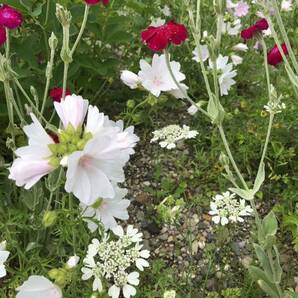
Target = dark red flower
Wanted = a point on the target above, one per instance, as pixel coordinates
(251, 31)
(94, 2)
(54, 137)
(274, 56)
(10, 17)
(262, 24)
(158, 38)
(2, 36)
(56, 93)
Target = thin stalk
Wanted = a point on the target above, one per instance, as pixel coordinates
(65, 74)
(198, 18)
(179, 86)
(7, 43)
(9, 109)
(83, 26)
(285, 35)
(47, 12)
(266, 68)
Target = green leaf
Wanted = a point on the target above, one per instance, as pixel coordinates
(244, 194)
(269, 290)
(215, 110)
(258, 274)
(264, 260)
(260, 178)
(270, 224)
(277, 267)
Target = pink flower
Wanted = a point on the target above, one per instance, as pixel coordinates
(2, 36)
(94, 2)
(10, 17)
(251, 31)
(158, 38)
(56, 93)
(241, 9)
(274, 56)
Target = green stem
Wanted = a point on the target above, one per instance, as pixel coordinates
(65, 74)
(266, 68)
(179, 86)
(7, 43)
(47, 13)
(278, 288)
(9, 109)
(83, 26)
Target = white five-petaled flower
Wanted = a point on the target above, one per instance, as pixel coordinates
(226, 207)
(226, 75)
(4, 254)
(157, 78)
(236, 60)
(286, 5)
(38, 287)
(171, 134)
(33, 160)
(130, 79)
(106, 210)
(241, 9)
(131, 233)
(242, 47)
(204, 53)
(231, 28)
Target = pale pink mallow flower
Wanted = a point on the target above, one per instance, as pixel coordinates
(241, 9)
(33, 161)
(38, 287)
(72, 110)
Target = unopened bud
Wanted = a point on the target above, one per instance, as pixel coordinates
(49, 218)
(72, 262)
(63, 15)
(53, 41)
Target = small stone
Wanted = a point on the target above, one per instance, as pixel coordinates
(146, 183)
(143, 198)
(246, 261)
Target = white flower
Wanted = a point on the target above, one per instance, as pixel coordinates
(286, 5)
(169, 294)
(156, 77)
(236, 60)
(91, 270)
(225, 208)
(169, 135)
(242, 47)
(140, 260)
(227, 73)
(38, 287)
(72, 110)
(156, 22)
(204, 53)
(128, 289)
(166, 11)
(33, 161)
(179, 93)
(231, 28)
(130, 79)
(4, 254)
(192, 110)
(131, 233)
(73, 261)
(91, 171)
(275, 107)
(106, 210)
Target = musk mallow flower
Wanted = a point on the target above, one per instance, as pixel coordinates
(38, 287)
(171, 134)
(106, 210)
(240, 47)
(236, 60)
(114, 262)
(286, 5)
(34, 160)
(10, 17)
(225, 73)
(241, 9)
(4, 254)
(157, 78)
(204, 53)
(225, 207)
(231, 28)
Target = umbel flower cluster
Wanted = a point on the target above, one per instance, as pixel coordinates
(113, 262)
(171, 134)
(226, 207)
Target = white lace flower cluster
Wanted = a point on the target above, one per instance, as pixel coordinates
(225, 207)
(171, 134)
(275, 107)
(113, 261)
(94, 153)
(156, 77)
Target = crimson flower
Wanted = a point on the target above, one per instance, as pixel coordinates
(56, 93)
(94, 2)
(274, 56)
(2, 36)
(158, 38)
(251, 31)
(10, 17)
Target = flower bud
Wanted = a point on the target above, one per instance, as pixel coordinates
(192, 110)
(53, 41)
(3, 245)
(130, 79)
(10, 17)
(130, 103)
(72, 262)
(63, 15)
(59, 275)
(49, 218)
(169, 294)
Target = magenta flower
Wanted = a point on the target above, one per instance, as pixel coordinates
(10, 17)
(2, 36)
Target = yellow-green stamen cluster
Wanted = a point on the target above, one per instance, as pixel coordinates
(70, 140)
